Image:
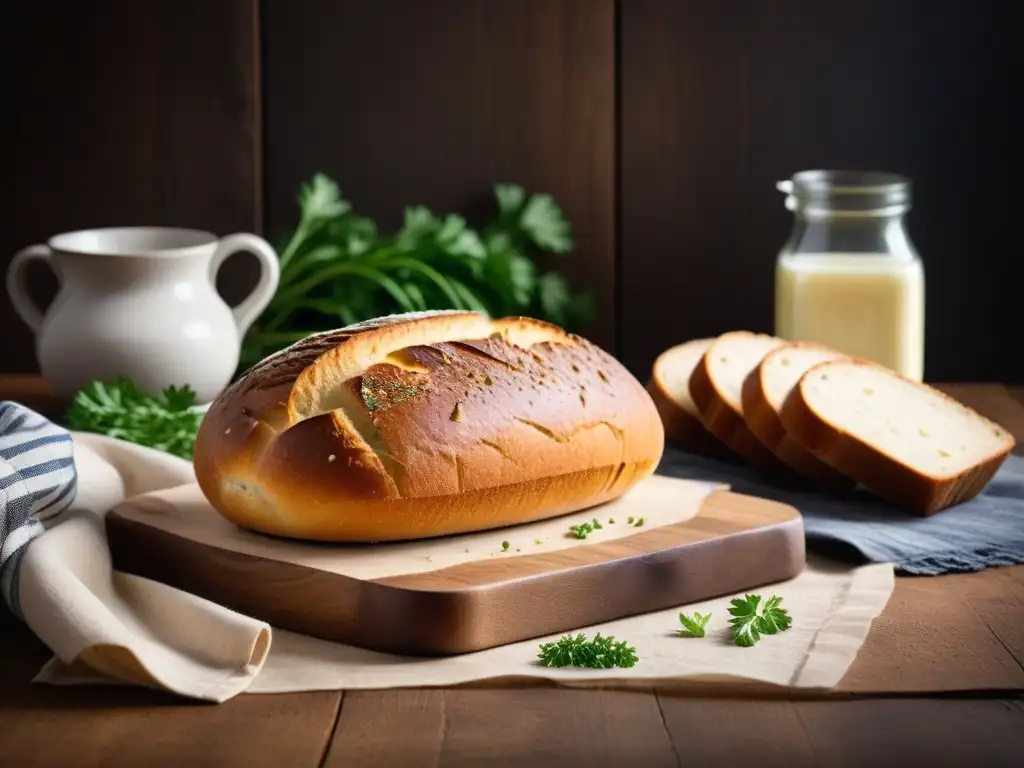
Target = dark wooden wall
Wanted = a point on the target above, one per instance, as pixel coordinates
(409, 102)
(722, 99)
(122, 112)
(660, 126)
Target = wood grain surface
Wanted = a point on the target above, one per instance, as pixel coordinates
(938, 635)
(127, 112)
(537, 726)
(484, 601)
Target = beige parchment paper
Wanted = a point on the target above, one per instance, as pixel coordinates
(109, 627)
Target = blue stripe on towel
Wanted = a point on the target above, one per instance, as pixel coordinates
(37, 483)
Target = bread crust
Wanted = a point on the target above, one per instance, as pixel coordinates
(900, 485)
(424, 425)
(729, 426)
(766, 425)
(682, 428)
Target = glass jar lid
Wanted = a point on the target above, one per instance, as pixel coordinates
(846, 193)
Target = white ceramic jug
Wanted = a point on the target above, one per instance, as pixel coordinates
(140, 302)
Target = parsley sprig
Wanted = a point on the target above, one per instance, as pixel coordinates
(603, 652)
(121, 409)
(748, 624)
(693, 626)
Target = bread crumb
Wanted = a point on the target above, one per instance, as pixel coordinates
(430, 558)
(824, 377)
(583, 400)
(227, 431)
(603, 377)
(331, 458)
(488, 380)
(457, 412)
(467, 550)
(575, 368)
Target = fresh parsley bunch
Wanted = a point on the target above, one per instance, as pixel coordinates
(121, 409)
(603, 652)
(338, 269)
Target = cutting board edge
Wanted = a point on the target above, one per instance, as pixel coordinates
(403, 620)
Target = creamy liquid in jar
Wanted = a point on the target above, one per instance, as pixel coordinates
(866, 305)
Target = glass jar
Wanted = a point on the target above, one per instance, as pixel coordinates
(849, 276)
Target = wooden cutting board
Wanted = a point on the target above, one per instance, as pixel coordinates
(466, 593)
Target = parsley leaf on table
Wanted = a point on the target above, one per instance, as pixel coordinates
(748, 625)
(603, 652)
(773, 618)
(122, 410)
(694, 627)
(744, 620)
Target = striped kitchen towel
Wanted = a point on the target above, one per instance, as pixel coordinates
(37, 483)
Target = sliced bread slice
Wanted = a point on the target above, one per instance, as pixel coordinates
(909, 443)
(764, 392)
(716, 388)
(669, 387)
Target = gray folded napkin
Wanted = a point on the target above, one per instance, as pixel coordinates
(983, 532)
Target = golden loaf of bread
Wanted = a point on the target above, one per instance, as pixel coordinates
(425, 424)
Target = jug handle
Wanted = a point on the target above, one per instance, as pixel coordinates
(17, 284)
(270, 274)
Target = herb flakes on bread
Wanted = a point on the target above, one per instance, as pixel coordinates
(423, 425)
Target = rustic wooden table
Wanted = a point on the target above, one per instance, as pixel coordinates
(938, 681)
